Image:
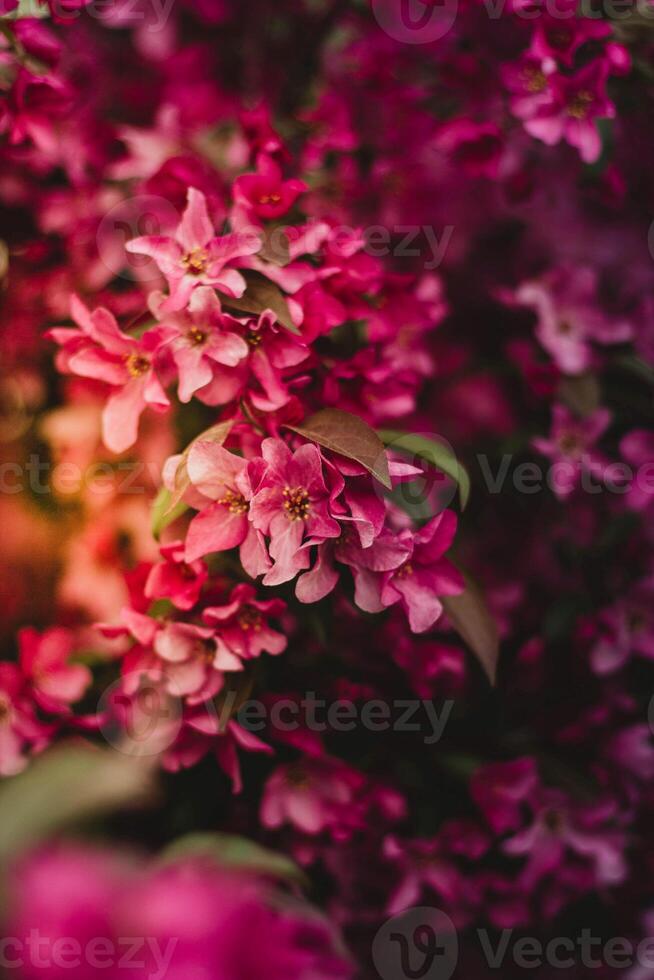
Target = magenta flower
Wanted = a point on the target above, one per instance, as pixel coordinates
(45, 661)
(265, 194)
(571, 446)
(176, 580)
(243, 625)
(21, 734)
(100, 350)
(310, 795)
(562, 830)
(425, 574)
(424, 865)
(223, 480)
(502, 789)
(291, 506)
(559, 37)
(196, 660)
(202, 341)
(195, 256)
(273, 350)
(203, 731)
(528, 81)
(569, 318)
(197, 920)
(578, 101)
(625, 628)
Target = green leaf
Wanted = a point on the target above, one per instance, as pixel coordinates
(349, 436)
(471, 618)
(216, 434)
(261, 294)
(164, 512)
(435, 453)
(66, 785)
(235, 853)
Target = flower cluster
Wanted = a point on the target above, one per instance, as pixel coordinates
(327, 476)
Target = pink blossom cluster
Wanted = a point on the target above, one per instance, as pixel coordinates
(280, 290)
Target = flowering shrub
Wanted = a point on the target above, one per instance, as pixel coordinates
(327, 480)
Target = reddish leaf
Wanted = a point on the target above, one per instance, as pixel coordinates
(472, 619)
(349, 436)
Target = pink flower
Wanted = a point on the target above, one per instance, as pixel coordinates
(273, 350)
(196, 660)
(223, 480)
(45, 661)
(578, 101)
(475, 147)
(20, 732)
(203, 731)
(291, 506)
(625, 628)
(529, 82)
(176, 580)
(310, 795)
(199, 920)
(502, 789)
(265, 194)
(637, 447)
(195, 256)
(426, 865)
(203, 340)
(571, 445)
(186, 660)
(559, 37)
(560, 830)
(100, 350)
(569, 318)
(425, 574)
(243, 623)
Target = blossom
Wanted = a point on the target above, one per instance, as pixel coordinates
(202, 340)
(243, 623)
(20, 731)
(45, 660)
(560, 830)
(291, 507)
(310, 795)
(577, 102)
(624, 628)
(265, 194)
(425, 574)
(176, 580)
(224, 480)
(571, 446)
(205, 731)
(569, 318)
(101, 351)
(195, 255)
(502, 789)
(198, 918)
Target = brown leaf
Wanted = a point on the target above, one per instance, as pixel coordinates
(349, 436)
(581, 394)
(261, 294)
(217, 433)
(472, 619)
(275, 246)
